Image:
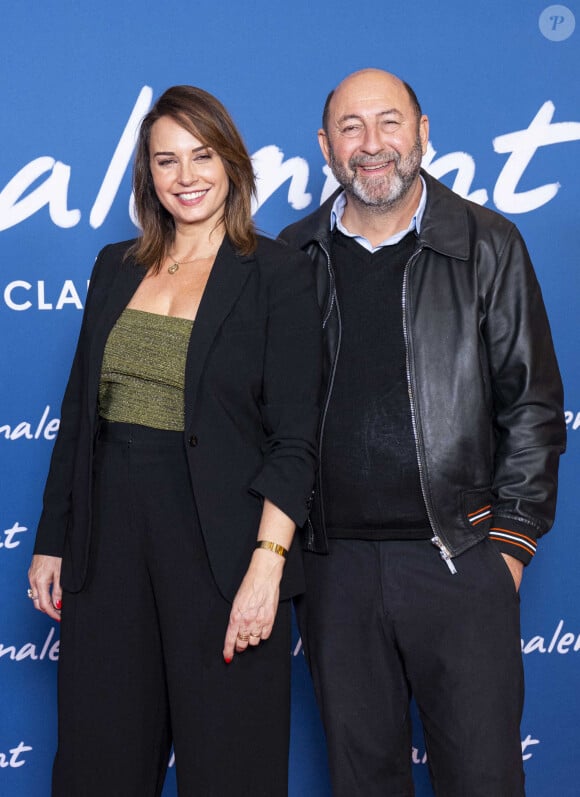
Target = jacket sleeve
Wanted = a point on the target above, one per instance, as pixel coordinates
(527, 404)
(291, 386)
(54, 519)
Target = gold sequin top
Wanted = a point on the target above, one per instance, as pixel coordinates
(143, 370)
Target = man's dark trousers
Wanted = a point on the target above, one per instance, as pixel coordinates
(382, 621)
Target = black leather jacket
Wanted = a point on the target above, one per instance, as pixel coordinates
(484, 385)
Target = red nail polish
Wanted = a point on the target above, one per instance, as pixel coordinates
(58, 605)
(228, 661)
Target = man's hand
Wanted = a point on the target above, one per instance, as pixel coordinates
(516, 569)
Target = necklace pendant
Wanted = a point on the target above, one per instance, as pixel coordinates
(172, 268)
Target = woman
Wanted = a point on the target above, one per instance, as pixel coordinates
(184, 460)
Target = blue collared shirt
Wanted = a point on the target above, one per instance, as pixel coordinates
(338, 210)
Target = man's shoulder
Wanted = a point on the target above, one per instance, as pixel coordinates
(273, 249)
(314, 226)
(276, 256)
(443, 201)
(455, 226)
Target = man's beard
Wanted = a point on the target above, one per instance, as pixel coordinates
(379, 193)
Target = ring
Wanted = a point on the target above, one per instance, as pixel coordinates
(256, 636)
(31, 595)
(243, 637)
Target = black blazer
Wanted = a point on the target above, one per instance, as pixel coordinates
(251, 407)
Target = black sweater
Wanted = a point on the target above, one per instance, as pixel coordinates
(369, 461)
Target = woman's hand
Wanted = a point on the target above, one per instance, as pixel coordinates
(44, 577)
(256, 603)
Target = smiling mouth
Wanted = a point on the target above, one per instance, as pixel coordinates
(193, 195)
(373, 167)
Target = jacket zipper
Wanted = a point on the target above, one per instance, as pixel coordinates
(333, 300)
(444, 553)
(436, 540)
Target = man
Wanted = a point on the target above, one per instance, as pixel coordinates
(439, 443)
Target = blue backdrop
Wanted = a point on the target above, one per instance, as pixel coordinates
(501, 85)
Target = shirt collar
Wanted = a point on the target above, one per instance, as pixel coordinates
(337, 212)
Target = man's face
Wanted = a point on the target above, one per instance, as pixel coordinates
(375, 142)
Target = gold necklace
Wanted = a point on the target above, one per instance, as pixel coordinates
(171, 269)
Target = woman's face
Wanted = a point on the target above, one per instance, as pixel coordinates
(189, 178)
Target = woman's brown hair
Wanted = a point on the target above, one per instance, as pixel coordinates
(202, 115)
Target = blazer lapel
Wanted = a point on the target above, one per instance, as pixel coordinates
(226, 280)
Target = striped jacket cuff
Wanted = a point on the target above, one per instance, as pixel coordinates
(513, 538)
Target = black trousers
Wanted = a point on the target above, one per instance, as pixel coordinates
(382, 621)
(141, 663)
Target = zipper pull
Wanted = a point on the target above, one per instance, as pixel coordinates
(444, 554)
